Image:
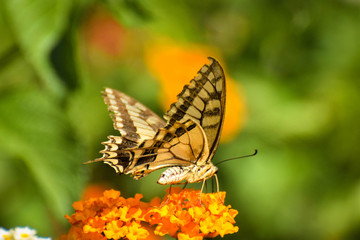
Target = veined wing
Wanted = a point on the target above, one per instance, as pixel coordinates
(203, 101)
(135, 123)
(181, 145)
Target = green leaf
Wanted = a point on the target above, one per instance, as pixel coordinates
(36, 131)
(36, 26)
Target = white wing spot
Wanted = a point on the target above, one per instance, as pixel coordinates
(113, 147)
(133, 109)
(209, 87)
(143, 127)
(193, 112)
(198, 103)
(210, 120)
(144, 134)
(113, 108)
(122, 131)
(198, 77)
(112, 102)
(203, 94)
(140, 106)
(211, 76)
(186, 93)
(125, 101)
(118, 119)
(212, 105)
(204, 69)
(133, 114)
(218, 85)
(109, 91)
(152, 120)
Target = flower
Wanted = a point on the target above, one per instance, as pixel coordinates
(20, 233)
(108, 217)
(190, 214)
(175, 64)
(5, 234)
(186, 214)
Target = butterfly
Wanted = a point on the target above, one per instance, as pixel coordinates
(185, 144)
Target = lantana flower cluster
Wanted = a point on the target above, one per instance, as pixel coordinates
(185, 215)
(20, 233)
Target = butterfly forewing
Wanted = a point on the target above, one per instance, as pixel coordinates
(203, 101)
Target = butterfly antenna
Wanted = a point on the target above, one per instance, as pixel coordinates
(250, 155)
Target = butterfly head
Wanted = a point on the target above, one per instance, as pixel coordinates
(203, 172)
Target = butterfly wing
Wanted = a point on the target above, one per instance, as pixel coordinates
(190, 137)
(200, 105)
(134, 121)
(179, 145)
(203, 101)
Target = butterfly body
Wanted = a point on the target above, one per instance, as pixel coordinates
(190, 174)
(185, 144)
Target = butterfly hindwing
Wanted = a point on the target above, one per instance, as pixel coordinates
(135, 123)
(182, 144)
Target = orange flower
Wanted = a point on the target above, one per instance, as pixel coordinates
(190, 214)
(174, 65)
(111, 216)
(187, 215)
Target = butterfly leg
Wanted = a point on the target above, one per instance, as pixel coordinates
(184, 186)
(170, 190)
(212, 185)
(202, 188)
(168, 197)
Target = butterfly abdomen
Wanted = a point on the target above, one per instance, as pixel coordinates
(190, 174)
(173, 175)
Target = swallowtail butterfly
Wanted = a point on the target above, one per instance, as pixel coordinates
(185, 143)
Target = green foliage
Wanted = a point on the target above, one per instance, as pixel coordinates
(36, 26)
(296, 61)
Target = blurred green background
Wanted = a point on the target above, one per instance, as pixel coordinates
(297, 63)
